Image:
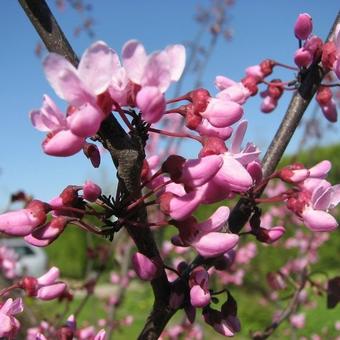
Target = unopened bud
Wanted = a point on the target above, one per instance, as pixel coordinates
(303, 26)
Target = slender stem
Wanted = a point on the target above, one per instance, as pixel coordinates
(175, 134)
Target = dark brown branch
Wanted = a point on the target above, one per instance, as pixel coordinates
(297, 107)
(127, 154)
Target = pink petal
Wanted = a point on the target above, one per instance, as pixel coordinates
(144, 267)
(50, 277)
(16, 307)
(206, 129)
(235, 93)
(5, 325)
(37, 242)
(157, 71)
(182, 207)
(215, 221)
(152, 104)
(64, 79)
(275, 233)
(176, 54)
(320, 170)
(335, 199)
(238, 136)
(222, 113)
(18, 223)
(49, 117)
(215, 244)
(134, 60)
(199, 298)
(96, 67)
(318, 220)
(51, 292)
(101, 335)
(222, 82)
(62, 144)
(321, 197)
(196, 172)
(233, 174)
(85, 122)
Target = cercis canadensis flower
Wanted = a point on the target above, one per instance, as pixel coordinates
(9, 325)
(45, 287)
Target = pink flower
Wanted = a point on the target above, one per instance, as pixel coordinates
(8, 261)
(233, 173)
(297, 320)
(154, 74)
(80, 88)
(199, 287)
(9, 325)
(192, 172)
(46, 287)
(204, 236)
(222, 113)
(315, 198)
(24, 221)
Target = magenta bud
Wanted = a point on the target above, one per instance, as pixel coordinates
(91, 151)
(303, 57)
(303, 26)
(91, 191)
(145, 268)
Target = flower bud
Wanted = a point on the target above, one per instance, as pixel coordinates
(91, 191)
(145, 268)
(303, 26)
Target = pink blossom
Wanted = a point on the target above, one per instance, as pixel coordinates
(47, 233)
(8, 261)
(9, 325)
(24, 221)
(297, 320)
(153, 73)
(233, 173)
(80, 88)
(222, 113)
(199, 287)
(46, 287)
(203, 236)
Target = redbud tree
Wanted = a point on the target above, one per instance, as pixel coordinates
(119, 102)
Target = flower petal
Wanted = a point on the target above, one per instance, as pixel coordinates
(96, 67)
(63, 77)
(318, 220)
(215, 244)
(134, 60)
(176, 55)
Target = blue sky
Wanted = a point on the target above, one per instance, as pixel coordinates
(262, 29)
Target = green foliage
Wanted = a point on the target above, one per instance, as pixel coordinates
(68, 253)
